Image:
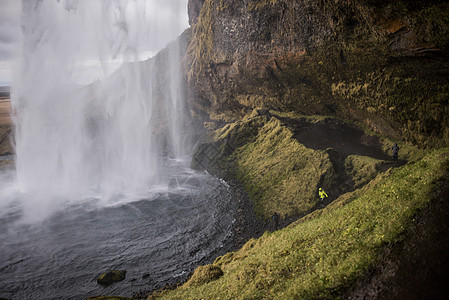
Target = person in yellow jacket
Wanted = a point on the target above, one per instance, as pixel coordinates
(322, 194)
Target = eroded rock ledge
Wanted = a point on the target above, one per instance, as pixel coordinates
(382, 63)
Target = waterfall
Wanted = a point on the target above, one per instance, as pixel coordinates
(105, 135)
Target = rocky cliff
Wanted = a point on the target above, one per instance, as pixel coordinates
(284, 87)
(384, 64)
(308, 94)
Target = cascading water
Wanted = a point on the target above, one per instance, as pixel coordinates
(101, 162)
(104, 138)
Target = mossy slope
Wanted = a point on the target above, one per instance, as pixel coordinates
(321, 255)
(279, 173)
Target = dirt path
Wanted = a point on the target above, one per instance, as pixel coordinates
(344, 139)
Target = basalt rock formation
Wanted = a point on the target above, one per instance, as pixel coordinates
(384, 64)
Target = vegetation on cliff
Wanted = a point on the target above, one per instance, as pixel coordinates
(279, 173)
(322, 254)
(282, 159)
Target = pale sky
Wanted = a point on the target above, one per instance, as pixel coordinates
(166, 19)
(9, 32)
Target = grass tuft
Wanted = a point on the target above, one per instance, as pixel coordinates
(204, 274)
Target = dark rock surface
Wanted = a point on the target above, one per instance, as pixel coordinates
(194, 8)
(111, 277)
(382, 63)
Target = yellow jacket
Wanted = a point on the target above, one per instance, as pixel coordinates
(322, 193)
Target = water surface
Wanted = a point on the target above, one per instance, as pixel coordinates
(157, 239)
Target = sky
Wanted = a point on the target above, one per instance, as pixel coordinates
(166, 19)
(9, 35)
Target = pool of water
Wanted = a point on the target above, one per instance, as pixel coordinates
(157, 238)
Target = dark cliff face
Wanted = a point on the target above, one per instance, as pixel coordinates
(194, 8)
(383, 63)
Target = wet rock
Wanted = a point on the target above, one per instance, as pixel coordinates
(111, 277)
(194, 8)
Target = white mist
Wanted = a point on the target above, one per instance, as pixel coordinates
(105, 139)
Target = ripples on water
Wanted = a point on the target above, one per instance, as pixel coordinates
(157, 239)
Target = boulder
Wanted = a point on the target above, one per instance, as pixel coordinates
(111, 277)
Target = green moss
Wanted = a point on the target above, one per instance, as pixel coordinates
(361, 69)
(214, 154)
(223, 5)
(226, 115)
(204, 274)
(224, 259)
(297, 116)
(407, 94)
(432, 24)
(202, 42)
(319, 256)
(362, 169)
(239, 133)
(280, 174)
